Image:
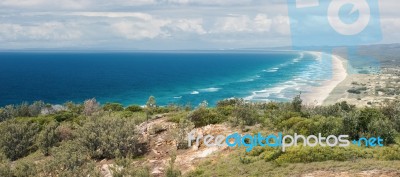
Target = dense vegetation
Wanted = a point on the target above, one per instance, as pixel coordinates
(47, 140)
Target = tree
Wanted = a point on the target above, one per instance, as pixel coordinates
(90, 106)
(150, 106)
(113, 107)
(36, 108)
(296, 103)
(151, 102)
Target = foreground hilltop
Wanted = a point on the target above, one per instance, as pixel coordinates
(112, 140)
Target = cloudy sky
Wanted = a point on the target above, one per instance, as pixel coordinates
(157, 24)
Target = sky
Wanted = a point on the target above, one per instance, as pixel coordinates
(157, 24)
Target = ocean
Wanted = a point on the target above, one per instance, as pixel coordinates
(182, 77)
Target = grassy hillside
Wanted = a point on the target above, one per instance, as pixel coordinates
(99, 140)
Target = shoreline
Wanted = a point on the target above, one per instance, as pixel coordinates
(319, 94)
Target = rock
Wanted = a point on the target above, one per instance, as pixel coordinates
(105, 170)
(156, 171)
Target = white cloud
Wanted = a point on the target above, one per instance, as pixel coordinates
(262, 23)
(280, 24)
(232, 24)
(243, 23)
(136, 30)
(49, 31)
(209, 2)
(138, 15)
(46, 4)
(169, 23)
(189, 25)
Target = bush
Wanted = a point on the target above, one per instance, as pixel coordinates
(226, 110)
(171, 171)
(5, 167)
(110, 137)
(22, 110)
(18, 138)
(369, 122)
(64, 116)
(76, 109)
(205, 116)
(25, 168)
(230, 102)
(113, 107)
(161, 110)
(70, 159)
(301, 154)
(181, 133)
(48, 138)
(357, 90)
(336, 110)
(177, 117)
(392, 111)
(125, 167)
(134, 108)
(156, 129)
(245, 115)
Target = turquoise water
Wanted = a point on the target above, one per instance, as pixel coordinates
(172, 77)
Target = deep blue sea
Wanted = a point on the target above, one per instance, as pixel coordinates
(172, 77)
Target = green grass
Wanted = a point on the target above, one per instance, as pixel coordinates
(231, 165)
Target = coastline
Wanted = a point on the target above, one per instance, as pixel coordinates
(318, 95)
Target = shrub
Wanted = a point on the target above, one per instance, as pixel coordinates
(25, 168)
(392, 111)
(22, 110)
(369, 122)
(134, 108)
(180, 134)
(230, 102)
(205, 116)
(18, 138)
(65, 132)
(156, 129)
(171, 171)
(177, 117)
(301, 154)
(357, 90)
(245, 115)
(124, 167)
(5, 167)
(90, 106)
(48, 138)
(336, 110)
(113, 107)
(326, 125)
(110, 137)
(70, 159)
(161, 110)
(383, 128)
(63, 116)
(225, 110)
(74, 108)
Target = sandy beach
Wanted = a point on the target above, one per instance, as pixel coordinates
(317, 95)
